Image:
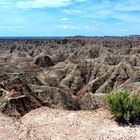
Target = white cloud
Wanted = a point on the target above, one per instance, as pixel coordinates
(127, 18)
(64, 19)
(129, 5)
(81, 0)
(7, 2)
(2, 27)
(10, 27)
(80, 27)
(72, 11)
(86, 27)
(69, 27)
(29, 4)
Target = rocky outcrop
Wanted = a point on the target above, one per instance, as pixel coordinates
(43, 61)
(91, 101)
(67, 73)
(18, 99)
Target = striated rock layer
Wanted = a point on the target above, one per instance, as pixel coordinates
(67, 73)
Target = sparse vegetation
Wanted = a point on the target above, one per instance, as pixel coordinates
(124, 105)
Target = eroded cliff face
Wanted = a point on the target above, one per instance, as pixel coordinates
(69, 73)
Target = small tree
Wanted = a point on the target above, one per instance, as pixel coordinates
(123, 105)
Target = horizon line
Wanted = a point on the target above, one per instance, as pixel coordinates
(138, 35)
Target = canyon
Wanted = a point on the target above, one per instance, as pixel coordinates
(71, 73)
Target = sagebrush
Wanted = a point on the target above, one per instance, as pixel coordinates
(124, 105)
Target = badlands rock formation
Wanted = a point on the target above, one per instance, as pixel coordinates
(69, 73)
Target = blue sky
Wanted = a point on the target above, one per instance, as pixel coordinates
(69, 17)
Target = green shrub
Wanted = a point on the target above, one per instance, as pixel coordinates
(123, 105)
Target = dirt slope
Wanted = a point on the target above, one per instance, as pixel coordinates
(52, 124)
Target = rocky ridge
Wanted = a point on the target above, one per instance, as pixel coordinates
(67, 73)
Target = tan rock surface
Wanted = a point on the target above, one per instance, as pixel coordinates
(52, 124)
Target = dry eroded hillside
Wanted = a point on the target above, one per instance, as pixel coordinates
(69, 73)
